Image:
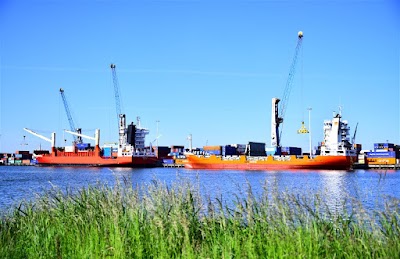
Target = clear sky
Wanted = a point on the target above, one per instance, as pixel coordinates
(208, 68)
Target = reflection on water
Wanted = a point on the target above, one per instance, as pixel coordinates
(370, 187)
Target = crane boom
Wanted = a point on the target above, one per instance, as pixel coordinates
(116, 90)
(353, 139)
(71, 121)
(52, 140)
(278, 114)
(120, 116)
(96, 138)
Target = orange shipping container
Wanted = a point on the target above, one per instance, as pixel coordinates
(212, 148)
(26, 162)
(381, 161)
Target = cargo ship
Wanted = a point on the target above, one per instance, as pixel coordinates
(336, 152)
(83, 154)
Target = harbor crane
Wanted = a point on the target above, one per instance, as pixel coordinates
(71, 121)
(278, 113)
(353, 139)
(52, 140)
(120, 116)
(96, 138)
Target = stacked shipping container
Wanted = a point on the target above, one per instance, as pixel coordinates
(383, 154)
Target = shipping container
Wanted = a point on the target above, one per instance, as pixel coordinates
(381, 160)
(180, 161)
(26, 156)
(213, 152)
(177, 149)
(168, 161)
(206, 148)
(291, 151)
(107, 152)
(383, 145)
(83, 145)
(162, 152)
(69, 149)
(18, 162)
(19, 156)
(21, 152)
(385, 154)
(228, 150)
(26, 162)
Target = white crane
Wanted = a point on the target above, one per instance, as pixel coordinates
(52, 140)
(96, 138)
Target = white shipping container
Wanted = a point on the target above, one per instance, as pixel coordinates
(69, 148)
(381, 150)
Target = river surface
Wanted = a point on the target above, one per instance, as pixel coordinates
(371, 187)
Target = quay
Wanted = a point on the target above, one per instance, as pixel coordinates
(173, 165)
(376, 166)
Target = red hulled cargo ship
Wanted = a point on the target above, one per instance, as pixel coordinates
(85, 155)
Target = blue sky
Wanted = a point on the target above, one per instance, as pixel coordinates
(206, 68)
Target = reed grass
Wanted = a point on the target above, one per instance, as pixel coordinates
(176, 221)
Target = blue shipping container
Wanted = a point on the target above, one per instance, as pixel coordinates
(83, 145)
(168, 161)
(107, 152)
(213, 152)
(381, 154)
(229, 150)
(383, 145)
(291, 150)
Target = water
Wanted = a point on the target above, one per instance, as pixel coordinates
(371, 187)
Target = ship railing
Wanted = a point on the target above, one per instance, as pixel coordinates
(256, 158)
(281, 158)
(229, 158)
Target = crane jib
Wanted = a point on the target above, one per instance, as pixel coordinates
(286, 92)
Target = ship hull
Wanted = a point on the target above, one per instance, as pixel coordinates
(269, 163)
(93, 160)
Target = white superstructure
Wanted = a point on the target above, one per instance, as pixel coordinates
(336, 138)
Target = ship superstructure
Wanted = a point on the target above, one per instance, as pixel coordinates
(336, 138)
(132, 138)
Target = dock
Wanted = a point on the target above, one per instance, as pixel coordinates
(377, 166)
(173, 165)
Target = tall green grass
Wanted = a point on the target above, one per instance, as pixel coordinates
(176, 221)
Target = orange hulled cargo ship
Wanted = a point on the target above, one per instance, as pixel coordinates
(336, 152)
(243, 162)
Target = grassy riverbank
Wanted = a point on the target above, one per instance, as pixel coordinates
(167, 222)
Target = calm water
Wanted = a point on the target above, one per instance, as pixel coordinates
(371, 187)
